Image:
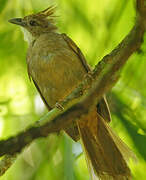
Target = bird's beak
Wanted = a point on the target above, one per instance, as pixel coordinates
(17, 21)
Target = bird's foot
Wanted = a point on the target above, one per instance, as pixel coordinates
(59, 106)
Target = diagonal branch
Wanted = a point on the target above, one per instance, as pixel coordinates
(87, 94)
(6, 163)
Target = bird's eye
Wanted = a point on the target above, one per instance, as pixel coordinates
(33, 23)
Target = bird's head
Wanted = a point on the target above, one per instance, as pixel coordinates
(37, 23)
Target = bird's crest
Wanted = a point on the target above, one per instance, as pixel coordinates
(47, 13)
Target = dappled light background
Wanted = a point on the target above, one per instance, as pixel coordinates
(96, 26)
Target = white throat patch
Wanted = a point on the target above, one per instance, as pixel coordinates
(27, 36)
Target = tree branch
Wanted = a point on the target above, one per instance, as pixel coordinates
(87, 94)
(6, 163)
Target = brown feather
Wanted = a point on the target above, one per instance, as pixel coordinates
(47, 12)
(77, 50)
(102, 152)
(103, 109)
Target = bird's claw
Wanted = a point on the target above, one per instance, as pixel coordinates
(89, 75)
(59, 106)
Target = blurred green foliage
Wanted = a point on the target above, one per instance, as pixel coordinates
(97, 27)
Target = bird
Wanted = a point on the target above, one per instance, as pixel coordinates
(57, 66)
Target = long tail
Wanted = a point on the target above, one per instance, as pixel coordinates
(106, 153)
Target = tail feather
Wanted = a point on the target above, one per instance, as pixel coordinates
(124, 149)
(104, 155)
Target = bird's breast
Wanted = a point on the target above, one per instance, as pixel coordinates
(55, 69)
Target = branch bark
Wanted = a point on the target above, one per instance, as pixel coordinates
(87, 94)
(6, 163)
